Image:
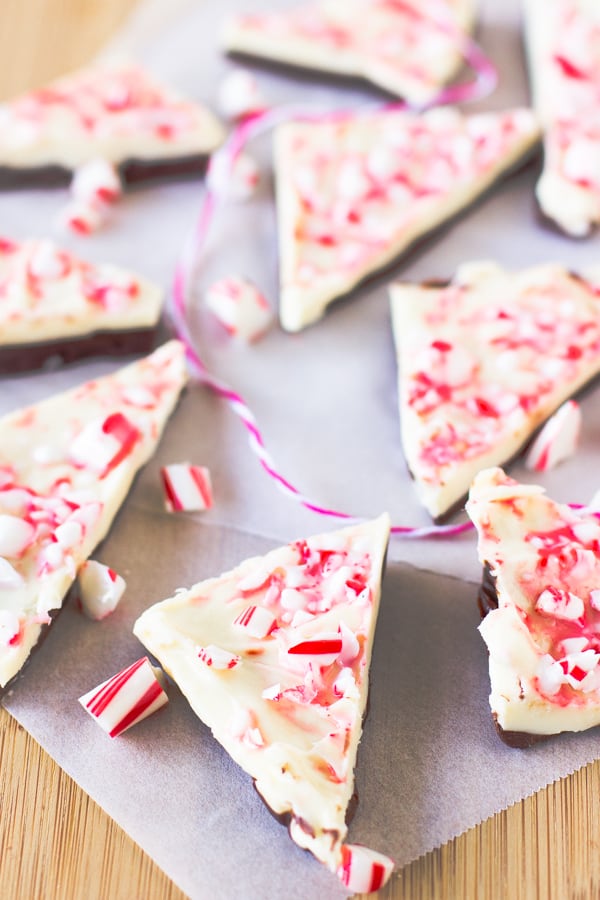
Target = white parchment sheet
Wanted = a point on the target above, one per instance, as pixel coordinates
(325, 400)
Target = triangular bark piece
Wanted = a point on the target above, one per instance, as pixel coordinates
(274, 657)
(54, 304)
(66, 465)
(542, 589)
(407, 48)
(354, 193)
(482, 362)
(564, 64)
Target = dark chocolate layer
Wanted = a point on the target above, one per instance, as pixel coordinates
(487, 597)
(519, 740)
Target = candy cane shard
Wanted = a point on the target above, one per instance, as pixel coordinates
(285, 695)
(541, 574)
(562, 38)
(100, 589)
(483, 361)
(186, 487)
(117, 112)
(354, 193)
(56, 304)
(558, 439)
(410, 49)
(126, 698)
(66, 465)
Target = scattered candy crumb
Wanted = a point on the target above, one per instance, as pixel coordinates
(94, 188)
(100, 589)
(557, 440)
(240, 307)
(125, 699)
(187, 488)
(239, 95)
(362, 870)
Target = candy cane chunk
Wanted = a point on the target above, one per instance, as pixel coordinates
(56, 305)
(58, 504)
(362, 870)
(263, 680)
(542, 571)
(96, 182)
(100, 589)
(239, 95)
(186, 487)
(240, 308)
(409, 49)
(354, 193)
(82, 218)
(483, 362)
(126, 698)
(564, 65)
(558, 439)
(114, 112)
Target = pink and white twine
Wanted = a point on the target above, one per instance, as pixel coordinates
(251, 127)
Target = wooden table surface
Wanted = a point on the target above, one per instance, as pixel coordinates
(56, 843)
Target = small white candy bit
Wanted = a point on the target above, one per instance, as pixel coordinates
(81, 218)
(187, 488)
(235, 178)
(100, 589)
(557, 440)
(16, 535)
(362, 870)
(240, 307)
(217, 658)
(239, 95)
(560, 604)
(126, 698)
(257, 621)
(96, 182)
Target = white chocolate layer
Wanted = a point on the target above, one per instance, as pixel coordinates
(117, 113)
(66, 465)
(287, 705)
(543, 638)
(354, 194)
(409, 49)
(483, 362)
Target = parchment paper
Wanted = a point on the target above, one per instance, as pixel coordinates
(326, 402)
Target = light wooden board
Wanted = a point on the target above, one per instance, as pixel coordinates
(56, 843)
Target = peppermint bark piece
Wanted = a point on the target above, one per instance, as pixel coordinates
(563, 40)
(274, 657)
(354, 194)
(116, 112)
(410, 49)
(55, 304)
(483, 362)
(543, 563)
(66, 465)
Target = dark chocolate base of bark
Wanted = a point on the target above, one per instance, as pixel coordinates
(134, 173)
(17, 359)
(487, 597)
(519, 740)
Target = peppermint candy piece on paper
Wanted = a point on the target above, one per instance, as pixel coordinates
(100, 589)
(557, 440)
(240, 307)
(125, 699)
(187, 488)
(363, 870)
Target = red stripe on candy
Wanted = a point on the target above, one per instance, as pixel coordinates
(136, 711)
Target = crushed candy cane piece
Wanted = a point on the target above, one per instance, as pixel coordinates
(81, 218)
(218, 658)
(239, 95)
(16, 535)
(257, 621)
(236, 179)
(363, 870)
(103, 445)
(187, 488)
(125, 699)
(100, 589)
(96, 182)
(326, 647)
(557, 440)
(561, 604)
(240, 307)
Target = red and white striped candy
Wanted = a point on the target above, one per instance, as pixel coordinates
(100, 589)
(324, 647)
(126, 698)
(257, 621)
(81, 218)
(217, 658)
(187, 488)
(362, 870)
(560, 604)
(239, 95)
(96, 182)
(557, 440)
(240, 307)
(101, 446)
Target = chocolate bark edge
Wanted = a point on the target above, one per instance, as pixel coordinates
(518, 740)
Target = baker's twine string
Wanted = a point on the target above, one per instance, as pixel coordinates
(248, 129)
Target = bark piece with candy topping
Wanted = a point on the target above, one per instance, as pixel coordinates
(409, 49)
(54, 304)
(483, 361)
(116, 112)
(563, 40)
(274, 657)
(542, 564)
(354, 192)
(66, 465)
